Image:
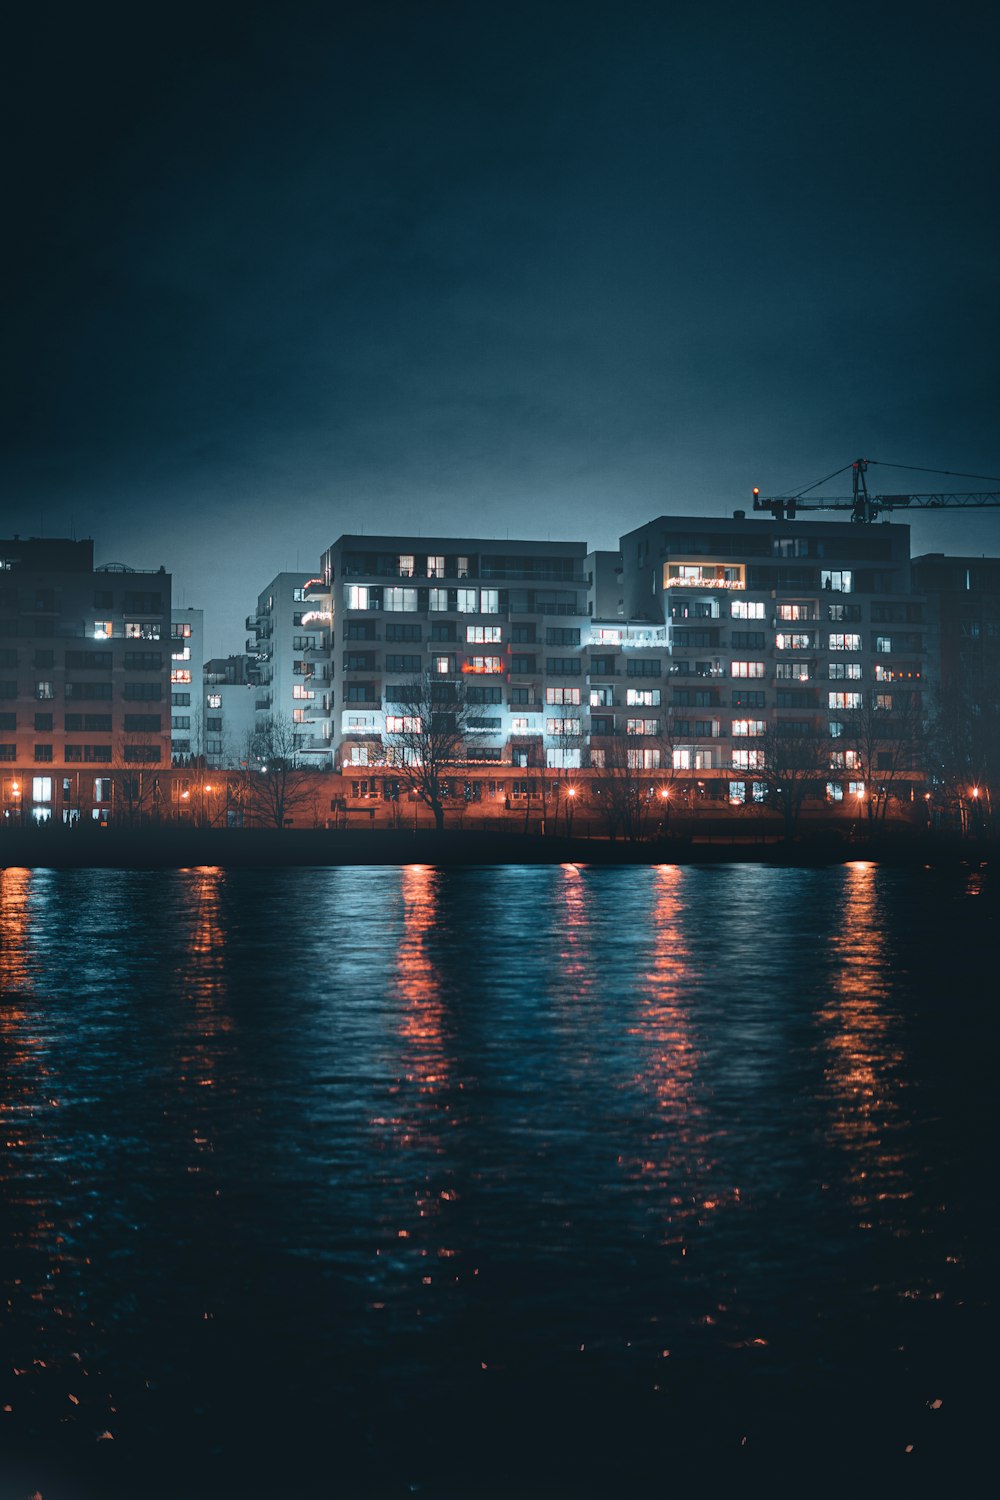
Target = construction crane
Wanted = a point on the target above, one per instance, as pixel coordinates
(866, 508)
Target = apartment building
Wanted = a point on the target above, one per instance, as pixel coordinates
(229, 697)
(792, 626)
(290, 652)
(187, 656)
(508, 620)
(84, 679)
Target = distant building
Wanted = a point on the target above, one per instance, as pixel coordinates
(187, 652)
(290, 652)
(84, 679)
(229, 705)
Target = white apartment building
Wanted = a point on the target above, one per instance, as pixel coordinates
(290, 652)
(187, 654)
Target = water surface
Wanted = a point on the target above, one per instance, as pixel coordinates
(503, 1181)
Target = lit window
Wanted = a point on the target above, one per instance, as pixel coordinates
(483, 635)
(644, 760)
(747, 668)
(490, 665)
(214, 700)
(748, 760)
(748, 609)
(468, 601)
(836, 579)
(142, 630)
(489, 601)
(883, 700)
(834, 791)
(845, 671)
(749, 728)
(856, 789)
(883, 643)
(839, 641)
(43, 690)
(442, 664)
(797, 640)
(180, 632)
(642, 697)
(562, 726)
(402, 723)
(437, 599)
(844, 700)
(642, 726)
(184, 654)
(435, 567)
(682, 760)
(299, 716)
(795, 612)
(103, 630)
(298, 691)
(406, 565)
(520, 725)
(41, 788)
(180, 674)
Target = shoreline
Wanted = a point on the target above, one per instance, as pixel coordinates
(165, 848)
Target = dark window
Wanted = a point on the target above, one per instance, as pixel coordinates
(643, 667)
(142, 692)
(563, 666)
(142, 724)
(396, 663)
(91, 690)
(43, 752)
(99, 661)
(395, 632)
(143, 661)
(562, 635)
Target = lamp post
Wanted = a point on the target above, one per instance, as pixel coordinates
(570, 804)
(665, 808)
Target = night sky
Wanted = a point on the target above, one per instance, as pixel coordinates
(278, 272)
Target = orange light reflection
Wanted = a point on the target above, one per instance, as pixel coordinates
(862, 1054)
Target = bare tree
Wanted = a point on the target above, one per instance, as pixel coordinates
(428, 735)
(792, 760)
(279, 784)
(963, 749)
(885, 740)
(137, 784)
(631, 770)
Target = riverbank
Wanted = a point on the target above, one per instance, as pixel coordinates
(174, 848)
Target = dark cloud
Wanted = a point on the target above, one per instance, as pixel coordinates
(537, 269)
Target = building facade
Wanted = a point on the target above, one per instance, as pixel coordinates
(84, 679)
(502, 625)
(187, 655)
(290, 652)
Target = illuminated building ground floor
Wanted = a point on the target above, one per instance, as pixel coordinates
(599, 801)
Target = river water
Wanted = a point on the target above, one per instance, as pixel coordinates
(494, 1182)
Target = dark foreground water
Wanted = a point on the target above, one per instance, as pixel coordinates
(495, 1182)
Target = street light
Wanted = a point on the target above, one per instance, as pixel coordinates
(571, 795)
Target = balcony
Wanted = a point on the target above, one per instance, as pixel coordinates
(251, 622)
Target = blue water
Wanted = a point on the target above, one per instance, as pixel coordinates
(493, 1182)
